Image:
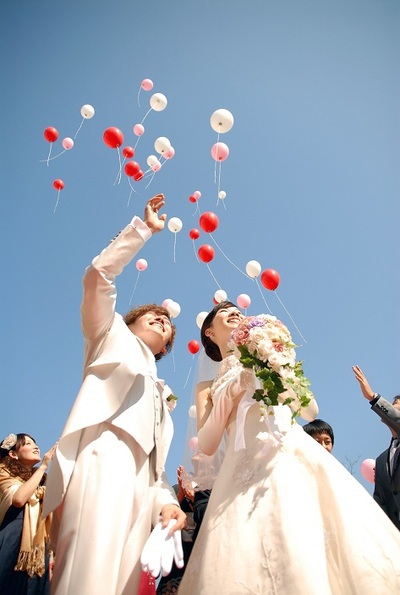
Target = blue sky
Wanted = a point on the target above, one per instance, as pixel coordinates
(312, 183)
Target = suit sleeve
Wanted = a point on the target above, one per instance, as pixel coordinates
(99, 291)
(389, 414)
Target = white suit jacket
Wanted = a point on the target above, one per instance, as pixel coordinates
(117, 365)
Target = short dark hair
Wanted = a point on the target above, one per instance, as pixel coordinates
(317, 427)
(211, 349)
(395, 399)
(132, 316)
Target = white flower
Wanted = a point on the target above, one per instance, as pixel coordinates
(9, 442)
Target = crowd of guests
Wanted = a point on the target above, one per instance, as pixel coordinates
(282, 515)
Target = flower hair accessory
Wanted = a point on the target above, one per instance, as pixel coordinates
(9, 442)
(264, 344)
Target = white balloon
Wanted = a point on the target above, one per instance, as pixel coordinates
(221, 120)
(174, 309)
(162, 144)
(253, 268)
(152, 160)
(87, 111)
(222, 194)
(175, 224)
(220, 295)
(158, 102)
(193, 412)
(200, 318)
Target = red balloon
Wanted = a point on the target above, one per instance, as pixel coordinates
(137, 177)
(270, 279)
(50, 134)
(58, 184)
(113, 137)
(132, 168)
(206, 253)
(194, 234)
(192, 198)
(193, 346)
(128, 152)
(208, 222)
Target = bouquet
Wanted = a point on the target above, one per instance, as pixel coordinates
(264, 343)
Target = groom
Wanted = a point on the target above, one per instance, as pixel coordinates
(107, 484)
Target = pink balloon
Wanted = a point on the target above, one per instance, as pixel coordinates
(67, 143)
(167, 302)
(141, 264)
(219, 151)
(368, 470)
(138, 129)
(147, 84)
(197, 194)
(156, 166)
(243, 301)
(170, 153)
(194, 443)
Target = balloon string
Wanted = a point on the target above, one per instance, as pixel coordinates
(283, 306)
(215, 165)
(194, 250)
(51, 158)
(136, 143)
(48, 156)
(138, 95)
(188, 376)
(174, 246)
(132, 190)
(263, 297)
(232, 263)
(219, 177)
(120, 167)
(133, 290)
(151, 179)
(197, 209)
(145, 116)
(80, 126)
(58, 198)
(219, 286)
(119, 171)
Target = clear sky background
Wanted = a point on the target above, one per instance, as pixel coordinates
(312, 183)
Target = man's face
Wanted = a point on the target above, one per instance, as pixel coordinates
(325, 440)
(153, 329)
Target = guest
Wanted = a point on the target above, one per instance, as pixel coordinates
(107, 484)
(24, 553)
(387, 470)
(322, 432)
(284, 516)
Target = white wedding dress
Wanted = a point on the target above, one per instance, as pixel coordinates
(285, 517)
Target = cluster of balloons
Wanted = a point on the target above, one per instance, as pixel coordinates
(221, 122)
(173, 308)
(51, 136)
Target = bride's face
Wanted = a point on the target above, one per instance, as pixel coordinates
(225, 321)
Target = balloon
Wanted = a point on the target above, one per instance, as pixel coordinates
(87, 111)
(132, 168)
(174, 309)
(194, 443)
(220, 296)
(197, 194)
(141, 264)
(50, 134)
(138, 129)
(151, 160)
(158, 102)
(156, 166)
(243, 301)
(194, 234)
(192, 198)
(219, 151)
(193, 346)
(368, 470)
(253, 268)
(166, 303)
(222, 194)
(138, 176)
(58, 184)
(206, 253)
(162, 144)
(175, 224)
(270, 279)
(170, 153)
(208, 221)
(128, 152)
(67, 143)
(113, 137)
(147, 84)
(193, 411)
(221, 120)
(200, 318)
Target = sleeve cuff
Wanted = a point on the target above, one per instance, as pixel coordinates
(141, 227)
(375, 399)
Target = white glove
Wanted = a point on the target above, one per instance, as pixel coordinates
(161, 549)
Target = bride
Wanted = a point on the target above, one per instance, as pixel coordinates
(284, 516)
